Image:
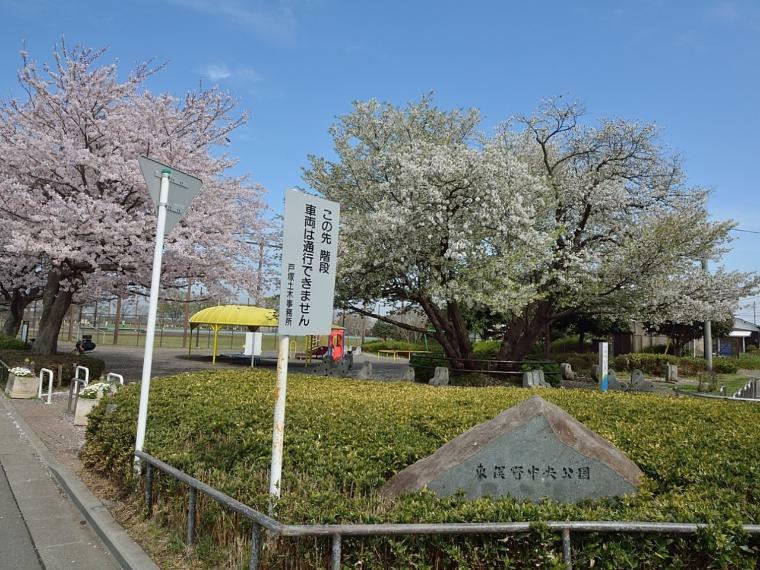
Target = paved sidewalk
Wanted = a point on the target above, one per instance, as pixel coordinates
(38, 523)
(16, 548)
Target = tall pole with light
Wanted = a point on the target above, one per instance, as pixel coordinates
(708, 330)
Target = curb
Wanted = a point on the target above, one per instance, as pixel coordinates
(125, 551)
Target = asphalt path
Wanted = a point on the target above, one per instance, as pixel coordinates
(128, 361)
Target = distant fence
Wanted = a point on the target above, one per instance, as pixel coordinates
(510, 370)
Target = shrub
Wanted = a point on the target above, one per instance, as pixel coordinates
(749, 361)
(344, 439)
(658, 349)
(486, 349)
(68, 361)
(723, 365)
(692, 366)
(390, 344)
(552, 372)
(578, 361)
(11, 343)
(569, 344)
(475, 379)
(424, 365)
(654, 364)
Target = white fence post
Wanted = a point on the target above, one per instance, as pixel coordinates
(50, 383)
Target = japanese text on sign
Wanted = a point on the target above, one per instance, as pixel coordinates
(308, 264)
(532, 472)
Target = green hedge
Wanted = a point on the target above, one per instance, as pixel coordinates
(749, 361)
(69, 361)
(552, 372)
(390, 344)
(486, 349)
(654, 364)
(344, 439)
(578, 361)
(11, 343)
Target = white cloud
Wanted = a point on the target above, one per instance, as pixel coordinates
(217, 72)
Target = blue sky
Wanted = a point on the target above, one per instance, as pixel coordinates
(689, 66)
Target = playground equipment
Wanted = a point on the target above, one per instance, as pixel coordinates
(333, 355)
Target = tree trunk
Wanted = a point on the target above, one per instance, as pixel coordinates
(117, 321)
(582, 341)
(524, 331)
(16, 305)
(451, 332)
(55, 302)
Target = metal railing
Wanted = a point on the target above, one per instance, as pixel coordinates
(77, 384)
(116, 377)
(750, 390)
(720, 396)
(42, 381)
(496, 368)
(336, 532)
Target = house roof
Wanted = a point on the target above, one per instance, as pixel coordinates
(742, 325)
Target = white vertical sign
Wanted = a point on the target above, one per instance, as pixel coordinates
(309, 256)
(603, 366)
(307, 291)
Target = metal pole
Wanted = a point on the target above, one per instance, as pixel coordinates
(192, 501)
(117, 320)
(335, 552)
(255, 547)
(278, 430)
(708, 331)
(186, 324)
(150, 331)
(566, 555)
(149, 489)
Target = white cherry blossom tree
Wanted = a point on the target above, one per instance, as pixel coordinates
(548, 218)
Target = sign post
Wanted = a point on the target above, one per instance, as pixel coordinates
(307, 291)
(25, 332)
(603, 366)
(160, 179)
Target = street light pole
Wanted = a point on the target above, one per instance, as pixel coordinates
(708, 331)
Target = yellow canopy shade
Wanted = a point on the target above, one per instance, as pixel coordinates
(232, 315)
(235, 315)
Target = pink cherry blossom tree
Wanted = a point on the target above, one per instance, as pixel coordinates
(72, 192)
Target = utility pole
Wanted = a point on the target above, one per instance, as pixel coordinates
(708, 331)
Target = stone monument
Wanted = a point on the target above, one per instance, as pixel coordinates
(441, 377)
(639, 383)
(614, 384)
(365, 372)
(534, 379)
(531, 451)
(567, 371)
